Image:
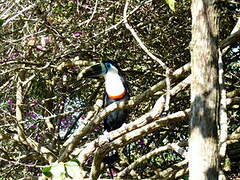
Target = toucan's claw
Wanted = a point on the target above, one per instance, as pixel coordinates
(107, 136)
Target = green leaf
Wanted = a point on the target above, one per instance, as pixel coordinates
(47, 171)
(171, 4)
(73, 169)
(1, 22)
(75, 160)
(58, 171)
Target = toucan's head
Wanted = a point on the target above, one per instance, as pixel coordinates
(101, 69)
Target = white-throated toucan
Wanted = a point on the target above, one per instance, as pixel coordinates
(116, 89)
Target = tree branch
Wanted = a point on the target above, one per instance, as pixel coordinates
(223, 110)
(173, 172)
(148, 52)
(232, 39)
(18, 14)
(122, 20)
(21, 137)
(71, 143)
(103, 146)
(174, 146)
(136, 125)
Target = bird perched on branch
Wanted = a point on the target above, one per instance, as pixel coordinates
(116, 89)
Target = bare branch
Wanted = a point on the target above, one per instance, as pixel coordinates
(152, 115)
(122, 20)
(173, 172)
(174, 146)
(18, 163)
(141, 44)
(148, 52)
(223, 110)
(19, 102)
(102, 146)
(94, 11)
(232, 39)
(70, 144)
(21, 137)
(18, 14)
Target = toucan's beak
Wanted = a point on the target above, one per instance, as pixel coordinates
(93, 71)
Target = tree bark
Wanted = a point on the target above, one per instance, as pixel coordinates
(203, 142)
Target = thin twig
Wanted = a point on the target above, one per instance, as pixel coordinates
(19, 163)
(122, 20)
(173, 172)
(25, 37)
(148, 52)
(4, 14)
(94, 11)
(138, 39)
(18, 14)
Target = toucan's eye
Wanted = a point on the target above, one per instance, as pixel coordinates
(108, 65)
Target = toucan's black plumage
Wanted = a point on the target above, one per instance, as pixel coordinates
(116, 89)
(115, 119)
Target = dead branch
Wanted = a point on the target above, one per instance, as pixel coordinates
(173, 172)
(174, 146)
(105, 146)
(84, 129)
(138, 124)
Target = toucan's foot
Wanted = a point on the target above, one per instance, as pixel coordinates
(107, 136)
(124, 125)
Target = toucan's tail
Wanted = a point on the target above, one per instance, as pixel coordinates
(111, 157)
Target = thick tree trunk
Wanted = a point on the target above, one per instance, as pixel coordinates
(203, 142)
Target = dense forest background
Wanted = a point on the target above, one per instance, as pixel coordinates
(45, 44)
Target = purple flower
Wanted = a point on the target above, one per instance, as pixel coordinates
(75, 68)
(34, 126)
(89, 160)
(15, 55)
(29, 124)
(63, 120)
(76, 34)
(10, 101)
(113, 173)
(40, 47)
(47, 40)
(97, 129)
(31, 114)
(64, 127)
(82, 117)
(33, 103)
(34, 116)
(11, 104)
(141, 143)
(38, 137)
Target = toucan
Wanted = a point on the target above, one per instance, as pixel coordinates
(116, 89)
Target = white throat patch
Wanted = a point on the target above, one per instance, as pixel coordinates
(113, 83)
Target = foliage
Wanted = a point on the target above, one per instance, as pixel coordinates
(62, 170)
(45, 44)
(171, 4)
